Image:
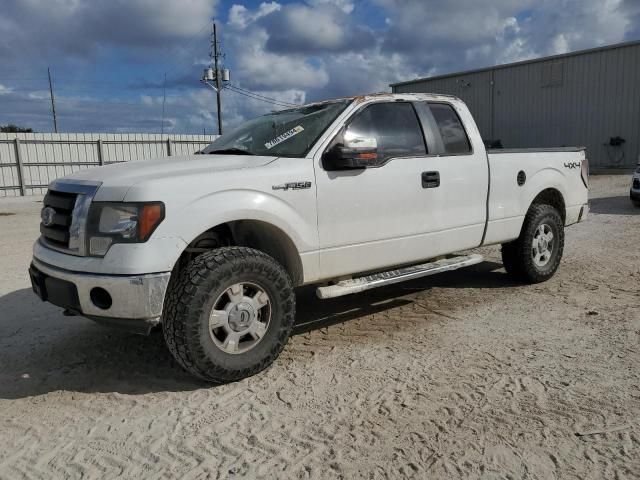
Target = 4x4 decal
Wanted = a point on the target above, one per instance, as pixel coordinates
(572, 165)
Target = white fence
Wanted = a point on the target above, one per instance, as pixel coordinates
(29, 161)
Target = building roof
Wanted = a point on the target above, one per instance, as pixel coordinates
(523, 62)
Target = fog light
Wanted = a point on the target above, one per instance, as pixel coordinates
(100, 298)
(99, 245)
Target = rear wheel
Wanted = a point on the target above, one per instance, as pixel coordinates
(535, 256)
(229, 314)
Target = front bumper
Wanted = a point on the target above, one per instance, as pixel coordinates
(135, 300)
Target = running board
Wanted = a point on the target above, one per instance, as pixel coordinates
(356, 285)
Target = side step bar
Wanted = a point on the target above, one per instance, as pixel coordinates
(356, 285)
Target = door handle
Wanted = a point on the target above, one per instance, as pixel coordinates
(430, 179)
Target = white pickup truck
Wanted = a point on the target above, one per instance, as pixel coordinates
(347, 194)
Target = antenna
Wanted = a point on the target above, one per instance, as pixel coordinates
(164, 99)
(53, 102)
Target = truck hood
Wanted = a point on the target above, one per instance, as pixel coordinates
(117, 179)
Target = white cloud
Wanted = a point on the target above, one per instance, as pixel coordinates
(559, 45)
(313, 26)
(146, 99)
(79, 27)
(302, 28)
(241, 17)
(291, 51)
(346, 6)
(462, 34)
(258, 67)
(576, 24)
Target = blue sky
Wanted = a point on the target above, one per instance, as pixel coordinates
(109, 58)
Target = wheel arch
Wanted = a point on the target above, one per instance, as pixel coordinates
(271, 240)
(553, 197)
(256, 234)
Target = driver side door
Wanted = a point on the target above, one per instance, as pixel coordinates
(374, 217)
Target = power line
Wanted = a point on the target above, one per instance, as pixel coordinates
(271, 99)
(278, 104)
(69, 91)
(260, 100)
(80, 101)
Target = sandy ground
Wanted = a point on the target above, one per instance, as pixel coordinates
(465, 374)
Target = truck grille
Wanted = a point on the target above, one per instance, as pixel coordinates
(636, 183)
(56, 229)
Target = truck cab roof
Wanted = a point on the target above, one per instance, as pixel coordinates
(390, 97)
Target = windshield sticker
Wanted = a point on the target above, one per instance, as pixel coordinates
(285, 136)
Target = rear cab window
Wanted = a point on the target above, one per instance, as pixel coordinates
(455, 140)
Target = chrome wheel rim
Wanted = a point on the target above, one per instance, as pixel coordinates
(542, 245)
(240, 317)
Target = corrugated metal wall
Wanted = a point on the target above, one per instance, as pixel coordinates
(580, 99)
(43, 157)
(474, 89)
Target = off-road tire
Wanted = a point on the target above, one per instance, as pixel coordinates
(189, 302)
(517, 255)
(510, 259)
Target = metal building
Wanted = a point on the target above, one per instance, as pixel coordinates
(588, 98)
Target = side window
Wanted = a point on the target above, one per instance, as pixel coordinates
(394, 126)
(451, 130)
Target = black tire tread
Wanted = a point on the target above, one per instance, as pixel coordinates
(510, 259)
(516, 255)
(187, 295)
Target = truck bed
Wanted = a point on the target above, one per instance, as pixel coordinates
(535, 150)
(542, 168)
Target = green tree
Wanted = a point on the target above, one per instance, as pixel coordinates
(11, 128)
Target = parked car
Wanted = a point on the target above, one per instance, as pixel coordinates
(347, 194)
(634, 192)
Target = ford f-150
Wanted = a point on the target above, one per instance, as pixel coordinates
(346, 194)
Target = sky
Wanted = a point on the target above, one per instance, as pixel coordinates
(109, 58)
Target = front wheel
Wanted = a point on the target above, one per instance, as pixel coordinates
(229, 314)
(535, 256)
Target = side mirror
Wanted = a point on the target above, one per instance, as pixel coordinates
(353, 153)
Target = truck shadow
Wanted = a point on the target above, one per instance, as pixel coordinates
(314, 313)
(43, 351)
(613, 206)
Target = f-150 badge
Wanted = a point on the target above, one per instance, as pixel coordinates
(292, 186)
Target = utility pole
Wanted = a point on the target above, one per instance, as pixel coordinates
(215, 74)
(216, 54)
(53, 102)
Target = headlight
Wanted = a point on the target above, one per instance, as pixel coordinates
(111, 223)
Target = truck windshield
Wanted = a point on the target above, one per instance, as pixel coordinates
(288, 133)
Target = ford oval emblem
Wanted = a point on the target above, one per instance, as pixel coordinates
(47, 215)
